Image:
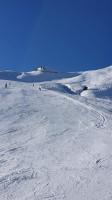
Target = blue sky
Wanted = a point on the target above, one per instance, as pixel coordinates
(67, 35)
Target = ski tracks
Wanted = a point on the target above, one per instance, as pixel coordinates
(100, 123)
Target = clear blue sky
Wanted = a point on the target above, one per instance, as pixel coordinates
(67, 35)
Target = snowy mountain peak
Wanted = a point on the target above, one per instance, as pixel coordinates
(40, 74)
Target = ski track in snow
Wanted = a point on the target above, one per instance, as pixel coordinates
(101, 116)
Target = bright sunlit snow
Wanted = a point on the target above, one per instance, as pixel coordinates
(55, 137)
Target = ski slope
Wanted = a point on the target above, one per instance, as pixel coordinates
(54, 143)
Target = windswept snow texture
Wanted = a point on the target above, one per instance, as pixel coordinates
(56, 143)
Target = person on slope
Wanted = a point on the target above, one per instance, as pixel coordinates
(6, 85)
(40, 88)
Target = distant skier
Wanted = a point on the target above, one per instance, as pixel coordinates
(6, 85)
(40, 88)
(33, 84)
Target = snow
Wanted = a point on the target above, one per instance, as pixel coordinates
(54, 143)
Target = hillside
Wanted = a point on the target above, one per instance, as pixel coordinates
(56, 143)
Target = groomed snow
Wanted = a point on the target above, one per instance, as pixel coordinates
(56, 143)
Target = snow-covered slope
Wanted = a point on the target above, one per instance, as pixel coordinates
(54, 143)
